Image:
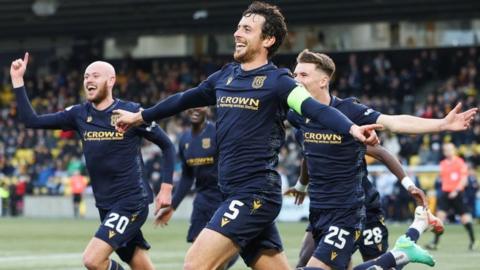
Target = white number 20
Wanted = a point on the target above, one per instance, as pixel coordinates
(340, 233)
(121, 224)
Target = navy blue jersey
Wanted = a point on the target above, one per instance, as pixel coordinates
(251, 106)
(334, 161)
(198, 154)
(113, 159)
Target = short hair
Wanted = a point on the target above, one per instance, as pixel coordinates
(321, 61)
(274, 25)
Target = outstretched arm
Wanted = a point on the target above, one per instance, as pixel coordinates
(300, 100)
(456, 120)
(27, 115)
(383, 155)
(202, 95)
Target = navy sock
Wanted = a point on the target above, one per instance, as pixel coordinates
(386, 261)
(413, 234)
(468, 226)
(115, 266)
(232, 261)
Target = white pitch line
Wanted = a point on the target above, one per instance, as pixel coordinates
(55, 256)
(61, 256)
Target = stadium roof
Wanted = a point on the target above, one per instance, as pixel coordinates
(97, 18)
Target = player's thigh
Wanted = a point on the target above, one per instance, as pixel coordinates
(314, 262)
(373, 241)
(141, 260)
(209, 251)
(96, 252)
(271, 259)
(306, 250)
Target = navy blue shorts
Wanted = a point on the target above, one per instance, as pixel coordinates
(203, 210)
(335, 232)
(248, 219)
(374, 239)
(120, 228)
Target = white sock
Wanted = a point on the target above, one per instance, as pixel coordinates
(420, 222)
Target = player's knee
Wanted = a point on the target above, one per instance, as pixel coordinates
(466, 218)
(191, 263)
(91, 262)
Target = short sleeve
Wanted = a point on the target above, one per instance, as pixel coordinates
(362, 114)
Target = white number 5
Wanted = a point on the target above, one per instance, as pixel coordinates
(233, 207)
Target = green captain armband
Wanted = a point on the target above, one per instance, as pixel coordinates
(296, 97)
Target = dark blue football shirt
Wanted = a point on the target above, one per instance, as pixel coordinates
(113, 159)
(251, 107)
(198, 155)
(334, 161)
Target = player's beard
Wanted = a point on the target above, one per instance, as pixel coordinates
(102, 93)
(247, 55)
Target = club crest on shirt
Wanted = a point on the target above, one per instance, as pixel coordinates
(229, 80)
(258, 81)
(206, 143)
(113, 119)
(89, 119)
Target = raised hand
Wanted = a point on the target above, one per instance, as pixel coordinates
(127, 120)
(366, 134)
(457, 120)
(418, 195)
(17, 70)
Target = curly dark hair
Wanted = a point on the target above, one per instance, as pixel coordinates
(274, 25)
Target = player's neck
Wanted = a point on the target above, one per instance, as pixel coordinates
(102, 105)
(198, 127)
(256, 63)
(322, 96)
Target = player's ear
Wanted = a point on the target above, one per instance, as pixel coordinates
(111, 81)
(268, 42)
(323, 81)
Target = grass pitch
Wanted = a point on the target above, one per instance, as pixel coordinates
(58, 244)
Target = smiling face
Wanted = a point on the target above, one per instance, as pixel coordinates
(312, 78)
(248, 38)
(98, 81)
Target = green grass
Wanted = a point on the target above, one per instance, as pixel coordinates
(58, 244)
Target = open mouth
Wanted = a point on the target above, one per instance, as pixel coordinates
(239, 45)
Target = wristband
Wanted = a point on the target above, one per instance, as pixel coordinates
(300, 187)
(407, 182)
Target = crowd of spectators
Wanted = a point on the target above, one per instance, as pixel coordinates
(426, 83)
